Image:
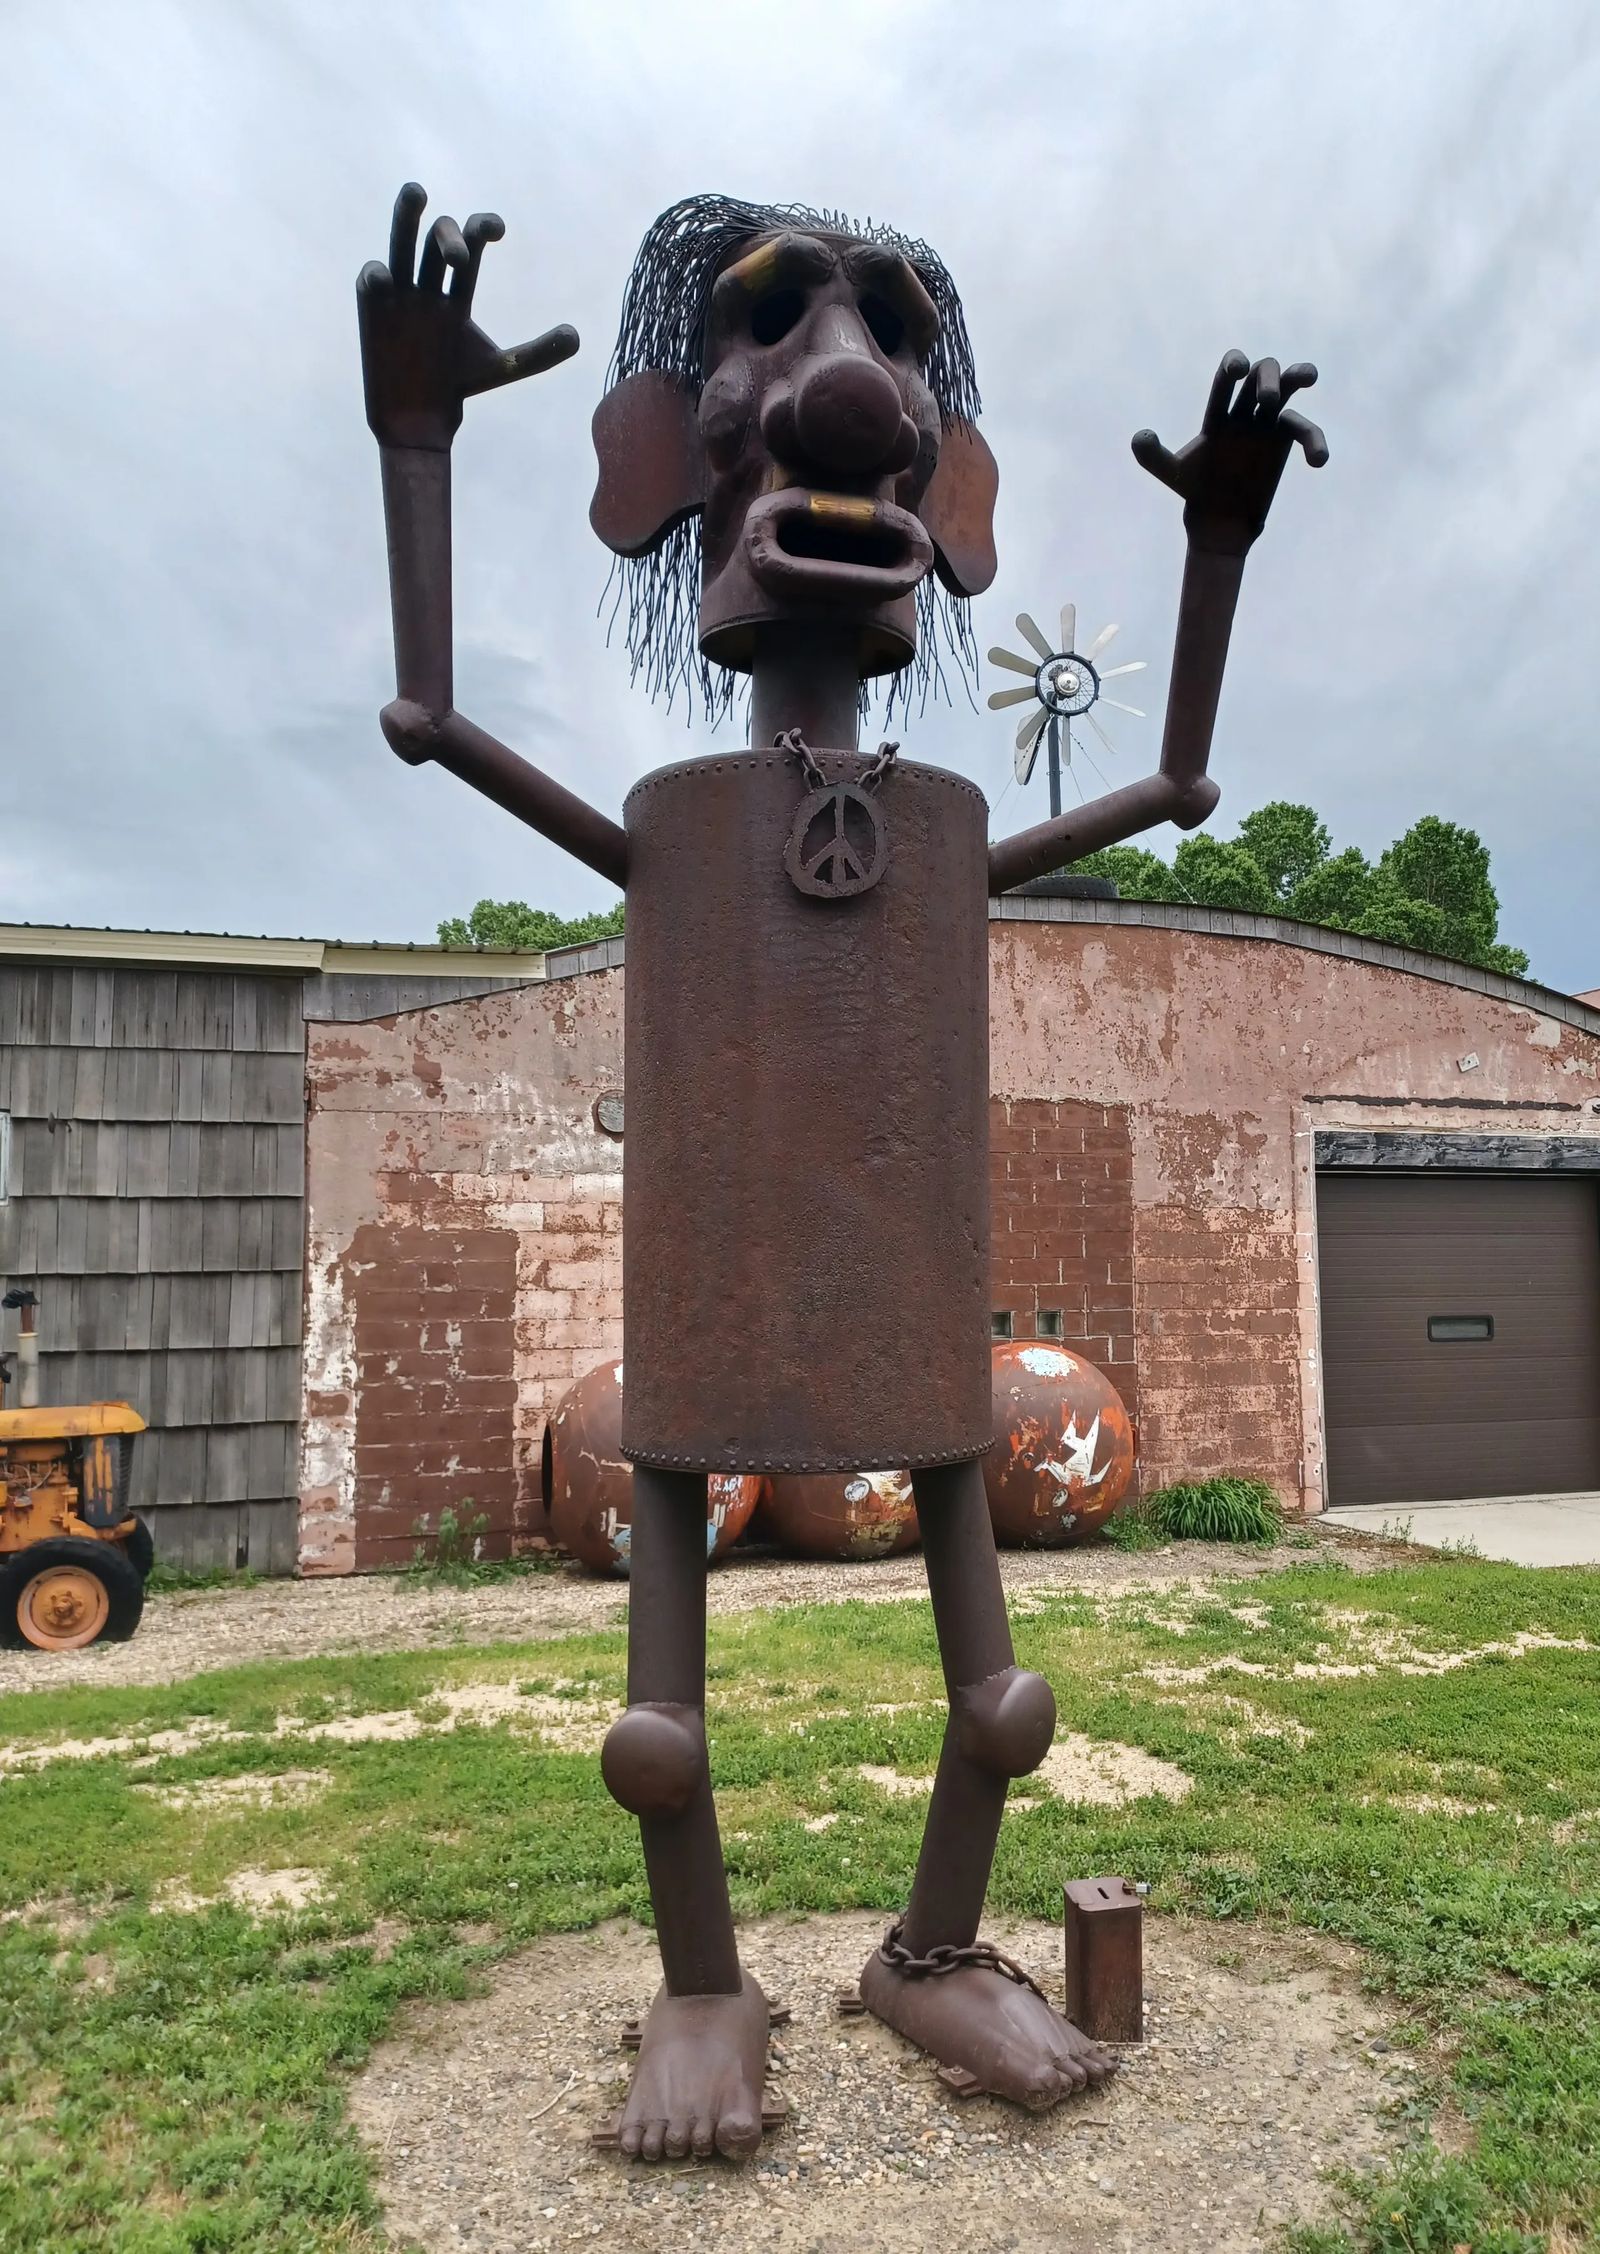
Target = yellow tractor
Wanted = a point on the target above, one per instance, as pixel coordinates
(73, 1557)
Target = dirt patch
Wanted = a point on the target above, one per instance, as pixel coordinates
(189, 1634)
(1082, 1769)
(287, 1788)
(1089, 1769)
(573, 1724)
(262, 1892)
(1265, 2066)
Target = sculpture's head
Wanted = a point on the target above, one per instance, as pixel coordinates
(790, 421)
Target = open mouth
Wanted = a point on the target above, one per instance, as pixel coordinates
(835, 546)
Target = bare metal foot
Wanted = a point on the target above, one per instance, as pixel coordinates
(697, 2086)
(979, 2023)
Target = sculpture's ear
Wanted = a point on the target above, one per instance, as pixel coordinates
(958, 510)
(652, 462)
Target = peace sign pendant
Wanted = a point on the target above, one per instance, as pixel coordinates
(839, 841)
(838, 845)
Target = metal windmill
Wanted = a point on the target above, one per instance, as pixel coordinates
(1064, 684)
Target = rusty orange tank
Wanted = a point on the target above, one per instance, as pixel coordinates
(842, 1514)
(1064, 1445)
(588, 1483)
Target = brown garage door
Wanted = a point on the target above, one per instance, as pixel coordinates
(1460, 1335)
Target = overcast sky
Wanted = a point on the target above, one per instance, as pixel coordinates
(194, 629)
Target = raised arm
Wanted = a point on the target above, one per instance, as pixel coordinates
(422, 357)
(1227, 478)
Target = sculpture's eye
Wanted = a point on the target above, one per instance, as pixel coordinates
(773, 316)
(884, 324)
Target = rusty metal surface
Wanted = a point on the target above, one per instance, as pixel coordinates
(1063, 1455)
(588, 1482)
(1105, 1959)
(842, 1514)
(805, 1262)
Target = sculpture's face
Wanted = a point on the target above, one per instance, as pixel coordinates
(821, 438)
(827, 488)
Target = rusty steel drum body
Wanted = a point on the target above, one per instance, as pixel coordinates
(1064, 1450)
(805, 1261)
(848, 1514)
(588, 1482)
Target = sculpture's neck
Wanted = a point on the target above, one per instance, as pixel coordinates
(806, 677)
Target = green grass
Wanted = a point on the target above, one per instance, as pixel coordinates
(173, 2083)
(1216, 1510)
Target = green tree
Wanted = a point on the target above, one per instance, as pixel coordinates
(1287, 842)
(1430, 890)
(512, 923)
(1216, 873)
(1137, 874)
(1335, 892)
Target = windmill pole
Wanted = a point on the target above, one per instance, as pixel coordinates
(1054, 733)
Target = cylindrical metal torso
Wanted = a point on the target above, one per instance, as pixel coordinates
(805, 1246)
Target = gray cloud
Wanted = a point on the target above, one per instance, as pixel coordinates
(193, 617)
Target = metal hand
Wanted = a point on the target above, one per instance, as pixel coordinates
(1228, 475)
(422, 355)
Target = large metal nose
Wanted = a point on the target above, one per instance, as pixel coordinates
(846, 408)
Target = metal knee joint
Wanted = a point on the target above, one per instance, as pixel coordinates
(1006, 1723)
(654, 1757)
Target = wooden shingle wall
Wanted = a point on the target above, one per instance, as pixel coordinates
(155, 1201)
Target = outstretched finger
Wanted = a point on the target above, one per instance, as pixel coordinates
(530, 359)
(409, 206)
(445, 246)
(1151, 455)
(482, 227)
(1309, 435)
(1234, 365)
(1300, 377)
(374, 279)
(1261, 392)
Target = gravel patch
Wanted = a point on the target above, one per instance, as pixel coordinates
(186, 1634)
(1266, 2065)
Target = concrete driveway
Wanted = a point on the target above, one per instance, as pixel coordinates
(1521, 1529)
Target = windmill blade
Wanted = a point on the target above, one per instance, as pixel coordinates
(1000, 698)
(1029, 730)
(1134, 665)
(1136, 710)
(1032, 636)
(1012, 663)
(1100, 732)
(1100, 642)
(1069, 626)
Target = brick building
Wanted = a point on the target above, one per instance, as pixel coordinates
(1184, 1102)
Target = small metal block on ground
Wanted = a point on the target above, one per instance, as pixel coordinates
(1105, 1959)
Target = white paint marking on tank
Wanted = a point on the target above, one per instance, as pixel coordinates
(1047, 1361)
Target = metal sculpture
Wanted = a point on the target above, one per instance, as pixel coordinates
(791, 422)
(1063, 1448)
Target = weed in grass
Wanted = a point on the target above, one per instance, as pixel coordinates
(450, 1555)
(1133, 1527)
(1217, 1510)
(178, 1580)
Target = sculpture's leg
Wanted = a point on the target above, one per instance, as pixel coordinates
(703, 2053)
(989, 2029)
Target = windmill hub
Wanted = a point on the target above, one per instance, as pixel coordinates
(1067, 686)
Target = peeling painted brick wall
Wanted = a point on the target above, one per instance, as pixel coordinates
(1155, 1096)
(1062, 1228)
(464, 1260)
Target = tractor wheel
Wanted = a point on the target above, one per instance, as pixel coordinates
(139, 1549)
(66, 1593)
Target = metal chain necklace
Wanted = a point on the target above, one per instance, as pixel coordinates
(839, 842)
